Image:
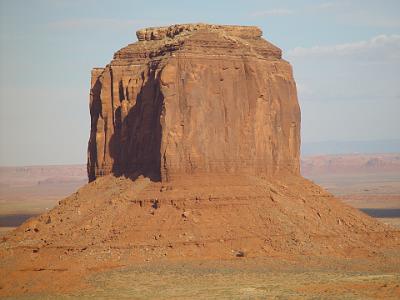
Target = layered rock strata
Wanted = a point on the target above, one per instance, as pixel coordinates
(194, 99)
(183, 102)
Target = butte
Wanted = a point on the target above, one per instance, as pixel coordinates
(193, 154)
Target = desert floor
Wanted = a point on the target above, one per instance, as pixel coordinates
(240, 279)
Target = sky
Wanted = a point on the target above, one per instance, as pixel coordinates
(345, 57)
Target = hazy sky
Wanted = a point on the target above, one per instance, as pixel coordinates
(345, 56)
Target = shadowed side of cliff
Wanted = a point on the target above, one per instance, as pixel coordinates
(130, 147)
(136, 142)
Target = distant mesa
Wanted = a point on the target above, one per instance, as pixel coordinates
(350, 163)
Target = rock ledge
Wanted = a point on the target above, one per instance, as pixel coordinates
(159, 33)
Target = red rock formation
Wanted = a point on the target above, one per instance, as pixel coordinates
(194, 99)
(190, 100)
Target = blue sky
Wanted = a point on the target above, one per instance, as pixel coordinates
(345, 56)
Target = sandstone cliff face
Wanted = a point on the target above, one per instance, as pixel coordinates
(194, 99)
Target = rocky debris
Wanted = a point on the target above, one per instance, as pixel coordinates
(155, 204)
(187, 225)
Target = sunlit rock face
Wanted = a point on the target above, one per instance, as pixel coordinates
(194, 99)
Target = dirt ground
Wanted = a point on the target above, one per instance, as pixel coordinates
(243, 278)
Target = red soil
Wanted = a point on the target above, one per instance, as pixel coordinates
(115, 222)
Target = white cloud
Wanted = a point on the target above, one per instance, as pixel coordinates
(326, 5)
(332, 6)
(350, 13)
(384, 47)
(273, 12)
(91, 23)
(365, 71)
(370, 19)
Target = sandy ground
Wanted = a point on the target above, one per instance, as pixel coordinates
(240, 279)
(243, 280)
